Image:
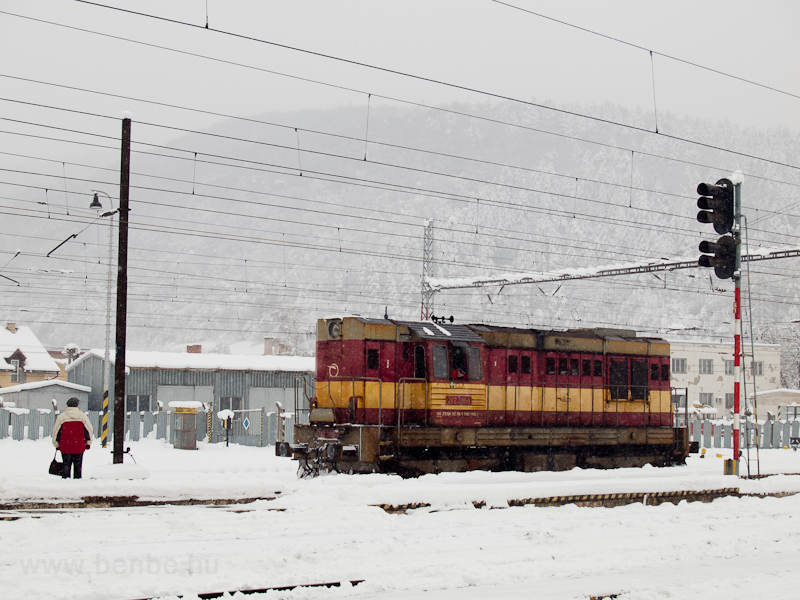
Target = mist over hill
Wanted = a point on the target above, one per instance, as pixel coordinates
(256, 228)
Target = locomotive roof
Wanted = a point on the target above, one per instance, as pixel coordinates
(450, 332)
(442, 331)
(597, 332)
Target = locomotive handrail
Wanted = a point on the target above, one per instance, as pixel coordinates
(403, 381)
(685, 407)
(354, 379)
(301, 380)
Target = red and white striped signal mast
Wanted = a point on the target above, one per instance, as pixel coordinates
(721, 205)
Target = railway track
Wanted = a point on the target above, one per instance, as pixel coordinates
(284, 588)
(17, 510)
(606, 500)
(126, 502)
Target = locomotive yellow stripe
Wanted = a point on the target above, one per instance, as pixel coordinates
(412, 395)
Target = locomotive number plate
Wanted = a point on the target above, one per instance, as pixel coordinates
(458, 400)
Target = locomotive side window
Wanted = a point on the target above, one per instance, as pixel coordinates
(440, 362)
(475, 370)
(598, 368)
(419, 362)
(526, 365)
(638, 379)
(586, 368)
(373, 358)
(512, 363)
(573, 367)
(618, 375)
(563, 369)
(654, 372)
(550, 366)
(665, 372)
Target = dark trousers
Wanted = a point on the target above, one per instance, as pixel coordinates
(69, 461)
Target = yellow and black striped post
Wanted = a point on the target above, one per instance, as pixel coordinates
(104, 424)
(281, 422)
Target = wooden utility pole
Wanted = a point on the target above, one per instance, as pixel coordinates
(122, 293)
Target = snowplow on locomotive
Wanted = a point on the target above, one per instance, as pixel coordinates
(427, 397)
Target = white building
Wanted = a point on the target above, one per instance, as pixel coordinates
(705, 369)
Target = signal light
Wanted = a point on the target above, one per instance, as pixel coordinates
(724, 259)
(716, 202)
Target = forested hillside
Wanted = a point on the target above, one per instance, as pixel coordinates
(258, 227)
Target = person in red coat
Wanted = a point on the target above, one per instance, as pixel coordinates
(72, 435)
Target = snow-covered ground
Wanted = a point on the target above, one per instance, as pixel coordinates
(326, 530)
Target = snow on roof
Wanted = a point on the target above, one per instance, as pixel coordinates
(37, 359)
(703, 410)
(186, 404)
(676, 340)
(208, 362)
(43, 384)
(777, 391)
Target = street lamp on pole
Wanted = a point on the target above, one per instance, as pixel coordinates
(106, 367)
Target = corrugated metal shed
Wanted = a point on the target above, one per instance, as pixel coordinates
(144, 380)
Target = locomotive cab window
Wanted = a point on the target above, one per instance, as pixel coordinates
(550, 366)
(440, 362)
(419, 362)
(475, 371)
(458, 368)
(513, 362)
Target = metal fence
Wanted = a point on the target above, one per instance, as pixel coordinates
(250, 427)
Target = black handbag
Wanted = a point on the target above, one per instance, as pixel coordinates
(56, 468)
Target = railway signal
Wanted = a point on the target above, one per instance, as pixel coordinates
(724, 259)
(716, 204)
(720, 204)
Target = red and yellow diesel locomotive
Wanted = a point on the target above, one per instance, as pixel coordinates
(426, 397)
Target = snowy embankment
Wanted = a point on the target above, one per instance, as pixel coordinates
(326, 530)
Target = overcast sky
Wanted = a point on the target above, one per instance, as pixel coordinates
(474, 43)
